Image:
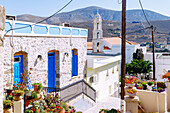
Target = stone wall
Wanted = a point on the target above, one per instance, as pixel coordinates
(35, 46)
(2, 27)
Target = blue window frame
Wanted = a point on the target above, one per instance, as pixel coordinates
(74, 63)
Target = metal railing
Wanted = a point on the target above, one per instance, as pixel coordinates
(75, 89)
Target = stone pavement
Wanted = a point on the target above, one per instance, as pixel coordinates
(106, 103)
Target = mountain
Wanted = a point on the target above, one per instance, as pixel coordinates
(87, 14)
(83, 18)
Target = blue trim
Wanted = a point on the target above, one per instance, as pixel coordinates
(8, 26)
(54, 30)
(83, 33)
(38, 29)
(18, 69)
(66, 31)
(75, 31)
(24, 30)
(51, 69)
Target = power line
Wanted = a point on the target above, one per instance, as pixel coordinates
(138, 30)
(144, 13)
(41, 20)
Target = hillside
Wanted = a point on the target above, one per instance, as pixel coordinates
(83, 18)
(87, 14)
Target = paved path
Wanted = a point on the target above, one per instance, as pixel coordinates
(106, 103)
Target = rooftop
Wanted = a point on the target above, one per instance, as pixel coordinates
(32, 29)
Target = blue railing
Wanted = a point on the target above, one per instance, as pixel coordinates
(43, 30)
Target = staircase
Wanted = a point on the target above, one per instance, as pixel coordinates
(76, 89)
(79, 94)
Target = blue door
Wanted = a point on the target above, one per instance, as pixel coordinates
(18, 68)
(74, 63)
(51, 70)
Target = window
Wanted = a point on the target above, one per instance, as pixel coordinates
(97, 26)
(110, 89)
(97, 35)
(115, 85)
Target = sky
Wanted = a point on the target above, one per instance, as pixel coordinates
(45, 8)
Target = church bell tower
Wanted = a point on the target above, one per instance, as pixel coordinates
(97, 34)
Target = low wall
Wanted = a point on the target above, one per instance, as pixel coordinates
(149, 101)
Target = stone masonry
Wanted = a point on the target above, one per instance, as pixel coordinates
(2, 27)
(35, 46)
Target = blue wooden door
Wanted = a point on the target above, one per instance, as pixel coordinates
(74, 63)
(18, 68)
(51, 69)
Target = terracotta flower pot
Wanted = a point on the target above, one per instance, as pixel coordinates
(17, 98)
(27, 103)
(36, 88)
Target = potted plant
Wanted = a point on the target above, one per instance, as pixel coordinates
(150, 85)
(130, 82)
(161, 84)
(7, 105)
(139, 86)
(37, 87)
(160, 89)
(132, 92)
(18, 94)
(144, 84)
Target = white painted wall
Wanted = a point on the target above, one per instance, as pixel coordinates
(102, 82)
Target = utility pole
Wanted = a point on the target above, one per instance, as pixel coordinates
(123, 49)
(153, 51)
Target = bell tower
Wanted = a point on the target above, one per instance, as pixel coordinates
(97, 34)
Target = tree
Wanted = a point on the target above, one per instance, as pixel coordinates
(138, 55)
(138, 66)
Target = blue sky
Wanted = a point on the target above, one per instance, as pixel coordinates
(48, 7)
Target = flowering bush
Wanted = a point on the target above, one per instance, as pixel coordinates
(131, 91)
(132, 80)
(161, 84)
(167, 75)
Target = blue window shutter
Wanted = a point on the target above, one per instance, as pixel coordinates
(74, 64)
